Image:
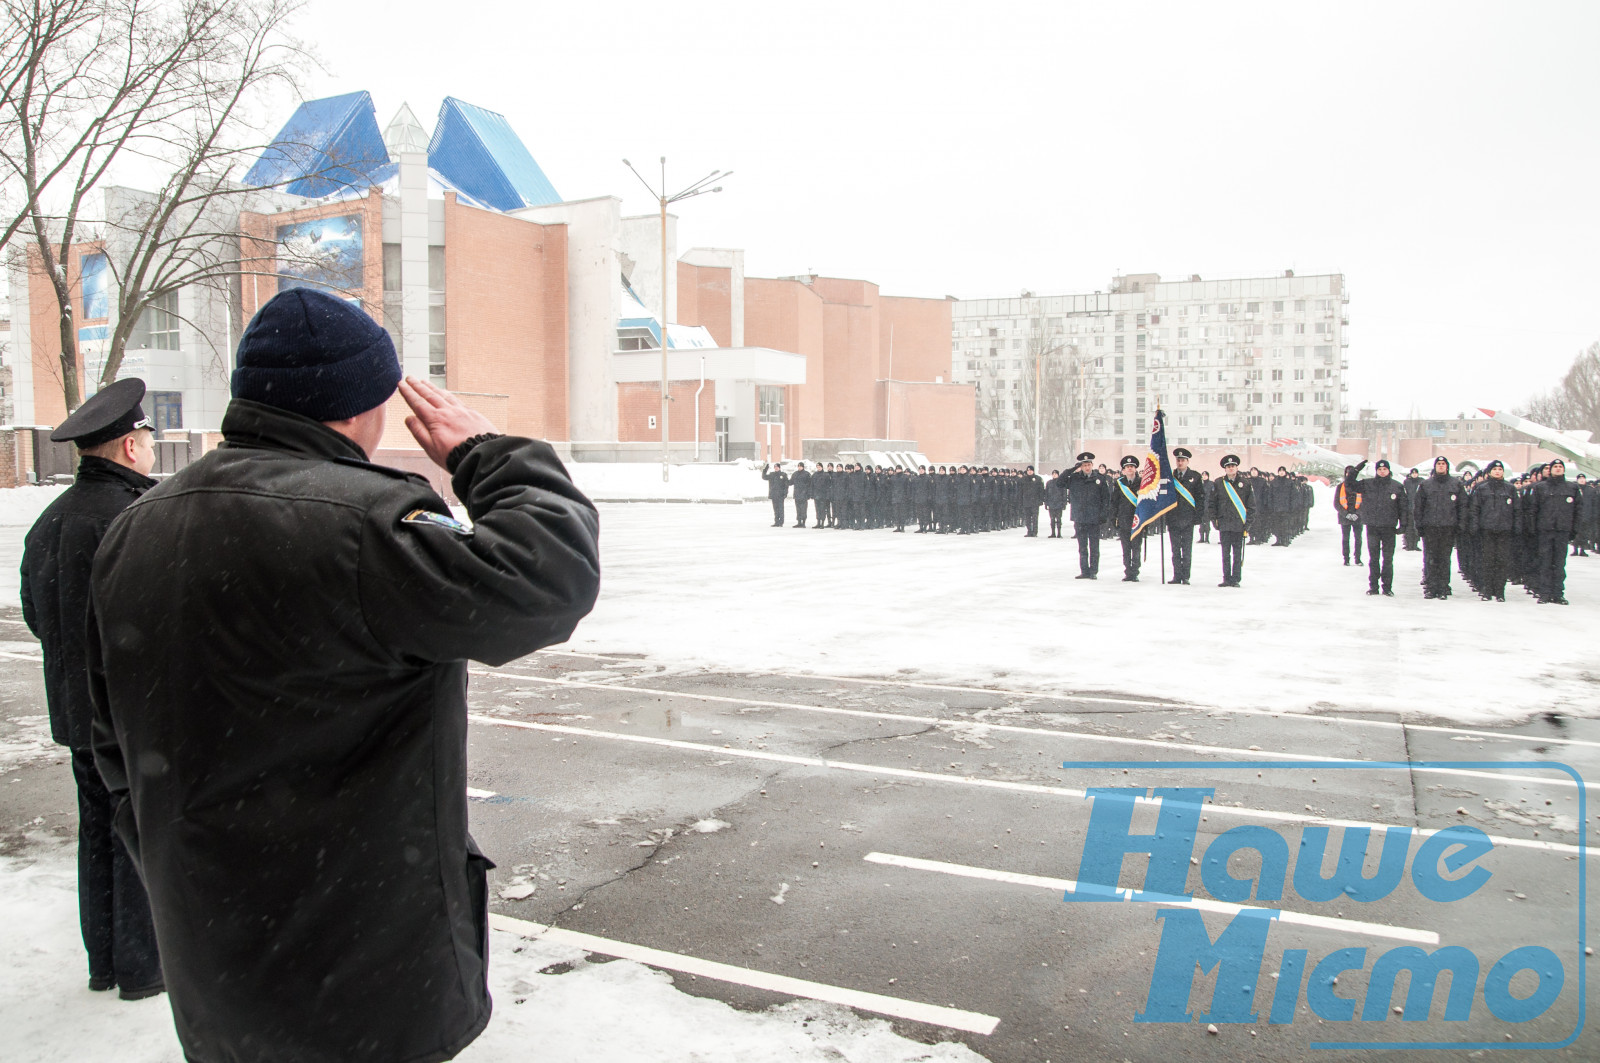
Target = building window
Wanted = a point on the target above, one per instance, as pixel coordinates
(1252, 308)
(641, 339)
(1277, 397)
(1139, 342)
(1299, 306)
(1117, 366)
(158, 325)
(95, 279)
(1277, 374)
(1116, 407)
(167, 410)
(770, 397)
(1138, 405)
(1116, 426)
(1117, 343)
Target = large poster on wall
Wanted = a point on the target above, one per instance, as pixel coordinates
(324, 253)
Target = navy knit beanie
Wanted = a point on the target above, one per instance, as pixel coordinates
(317, 355)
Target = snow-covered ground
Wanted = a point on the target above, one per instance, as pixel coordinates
(597, 1011)
(718, 587)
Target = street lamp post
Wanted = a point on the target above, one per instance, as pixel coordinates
(661, 196)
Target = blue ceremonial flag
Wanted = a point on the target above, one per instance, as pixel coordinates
(1156, 495)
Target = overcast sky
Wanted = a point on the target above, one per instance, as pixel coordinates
(1442, 156)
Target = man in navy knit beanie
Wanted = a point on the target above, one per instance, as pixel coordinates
(286, 747)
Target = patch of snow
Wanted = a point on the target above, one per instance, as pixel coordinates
(602, 1011)
(1301, 635)
(709, 826)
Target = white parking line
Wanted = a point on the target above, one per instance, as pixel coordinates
(21, 657)
(1051, 732)
(995, 784)
(1204, 904)
(915, 1011)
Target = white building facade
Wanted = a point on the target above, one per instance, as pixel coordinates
(1232, 362)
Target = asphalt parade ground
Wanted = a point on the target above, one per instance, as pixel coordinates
(903, 847)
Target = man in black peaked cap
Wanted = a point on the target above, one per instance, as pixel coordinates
(116, 452)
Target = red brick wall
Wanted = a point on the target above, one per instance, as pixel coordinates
(705, 297)
(939, 417)
(44, 332)
(506, 315)
(921, 339)
(788, 316)
(638, 402)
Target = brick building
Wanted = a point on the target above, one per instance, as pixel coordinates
(543, 313)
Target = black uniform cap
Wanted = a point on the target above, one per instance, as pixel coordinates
(1229, 459)
(1085, 456)
(1130, 460)
(1181, 452)
(111, 412)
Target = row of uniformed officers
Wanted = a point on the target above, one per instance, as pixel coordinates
(963, 500)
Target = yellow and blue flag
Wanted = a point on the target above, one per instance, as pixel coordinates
(1156, 494)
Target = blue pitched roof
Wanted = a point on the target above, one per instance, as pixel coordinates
(326, 145)
(477, 151)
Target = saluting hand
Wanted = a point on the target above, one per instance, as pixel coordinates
(440, 421)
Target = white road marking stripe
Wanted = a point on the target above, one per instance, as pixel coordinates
(21, 657)
(1299, 717)
(1204, 904)
(915, 1011)
(479, 795)
(1052, 732)
(998, 784)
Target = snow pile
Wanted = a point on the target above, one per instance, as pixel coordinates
(718, 587)
(21, 506)
(600, 1011)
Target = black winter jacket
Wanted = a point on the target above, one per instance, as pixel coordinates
(278, 641)
(1380, 501)
(56, 559)
(1091, 500)
(1441, 503)
(1494, 507)
(1185, 515)
(802, 483)
(777, 483)
(1224, 514)
(1555, 505)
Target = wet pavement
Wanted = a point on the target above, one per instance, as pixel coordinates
(910, 840)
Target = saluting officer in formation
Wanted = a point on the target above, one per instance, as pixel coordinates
(1089, 492)
(114, 441)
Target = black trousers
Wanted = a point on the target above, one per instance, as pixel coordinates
(800, 508)
(777, 511)
(113, 911)
(1030, 519)
(1055, 522)
(1347, 531)
(1181, 536)
(1494, 561)
(1132, 551)
(1232, 555)
(1553, 564)
(1380, 558)
(1436, 546)
(1088, 536)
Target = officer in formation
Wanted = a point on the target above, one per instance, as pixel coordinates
(1125, 503)
(1190, 511)
(114, 441)
(1205, 506)
(1055, 501)
(1441, 512)
(1409, 533)
(1089, 491)
(1380, 504)
(777, 490)
(940, 499)
(1232, 504)
(1588, 534)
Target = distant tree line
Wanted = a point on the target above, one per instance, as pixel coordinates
(1574, 403)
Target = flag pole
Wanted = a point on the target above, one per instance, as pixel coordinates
(1163, 552)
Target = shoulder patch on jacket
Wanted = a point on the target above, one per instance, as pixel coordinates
(441, 520)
